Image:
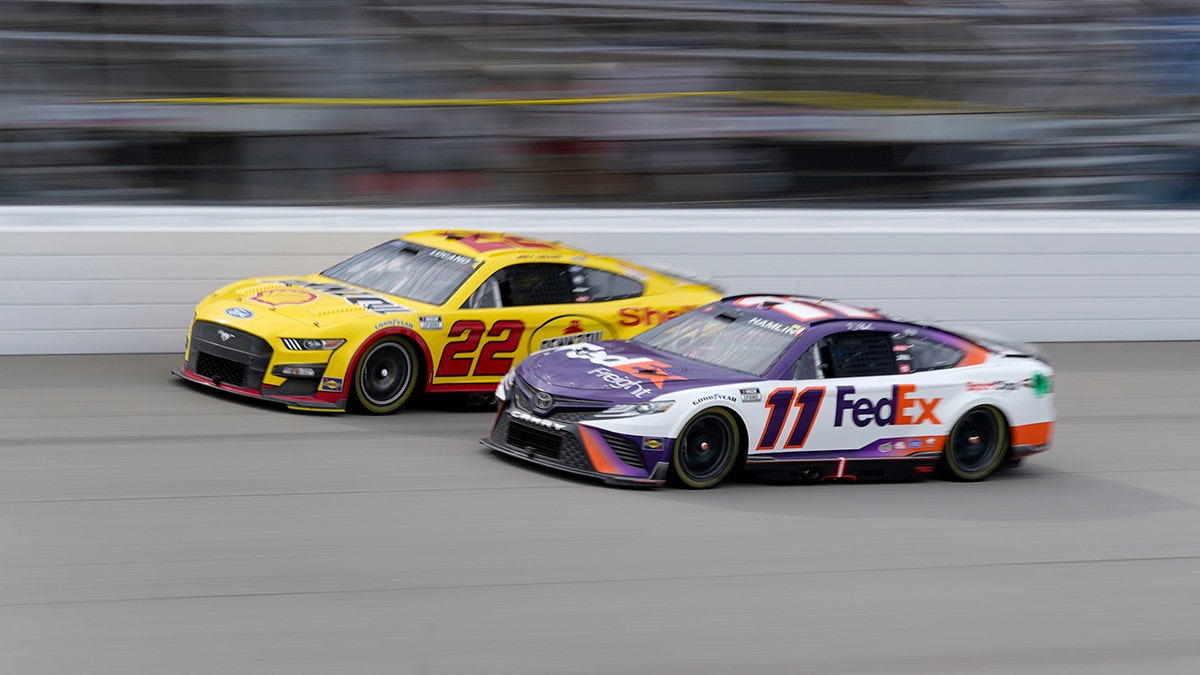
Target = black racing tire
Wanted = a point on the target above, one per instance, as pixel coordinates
(707, 450)
(976, 446)
(386, 376)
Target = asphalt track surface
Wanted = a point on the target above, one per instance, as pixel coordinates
(150, 527)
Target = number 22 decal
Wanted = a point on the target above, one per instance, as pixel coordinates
(780, 402)
(490, 361)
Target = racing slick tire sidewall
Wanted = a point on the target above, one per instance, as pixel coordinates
(700, 468)
(386, 376)
(988, 427)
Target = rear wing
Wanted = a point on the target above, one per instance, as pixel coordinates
(998, 344)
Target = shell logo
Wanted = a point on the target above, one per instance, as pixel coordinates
(284, 296)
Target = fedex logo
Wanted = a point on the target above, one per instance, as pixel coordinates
(901, 408)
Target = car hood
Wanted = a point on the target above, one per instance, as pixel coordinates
(312, 300)
(619, 371)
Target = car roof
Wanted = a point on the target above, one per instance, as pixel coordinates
(483, 244)
(805, 310)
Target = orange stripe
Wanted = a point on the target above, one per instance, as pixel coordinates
(600, 459)
(1033, 434)
(975, 356)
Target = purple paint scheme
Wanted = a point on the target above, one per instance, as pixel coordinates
(619, 372)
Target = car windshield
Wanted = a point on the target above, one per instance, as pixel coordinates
(420, 273)
(729, 339)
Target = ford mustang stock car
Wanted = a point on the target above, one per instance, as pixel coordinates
(807, 388)
(435, 311)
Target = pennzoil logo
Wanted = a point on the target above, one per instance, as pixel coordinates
(277, 297)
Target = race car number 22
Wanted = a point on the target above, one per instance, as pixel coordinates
(495, 358)
(780, 403)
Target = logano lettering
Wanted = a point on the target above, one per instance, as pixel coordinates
(900, 408)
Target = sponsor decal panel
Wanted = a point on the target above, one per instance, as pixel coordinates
(331, 384)
(618, 382)
(998, 385)
(649, 316)
(577, 338)
(430, 322)
(1040, 383)
(355, 296)
(566, 330)
(715, 397)
(393, 323)
(902, 408)
(653, 443)
(751, 394)
(643, 368)
(239, 312)
(277, 297)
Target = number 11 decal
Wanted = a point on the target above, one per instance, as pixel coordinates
(780, 403)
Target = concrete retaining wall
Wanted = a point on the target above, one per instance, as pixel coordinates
(124, 280)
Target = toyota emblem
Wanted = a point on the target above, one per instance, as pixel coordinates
(543, 401)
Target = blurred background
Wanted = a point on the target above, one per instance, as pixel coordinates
(1025, 103)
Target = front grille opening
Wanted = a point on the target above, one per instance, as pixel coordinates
(625, 449)
(537, 440)
(221, 370)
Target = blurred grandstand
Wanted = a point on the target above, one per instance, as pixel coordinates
(1041, 103)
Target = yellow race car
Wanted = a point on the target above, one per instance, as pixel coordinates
(435, 311)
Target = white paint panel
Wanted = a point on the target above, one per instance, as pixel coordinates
(117, 279)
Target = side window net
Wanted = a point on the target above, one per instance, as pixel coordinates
(859, 353)
(535, 284)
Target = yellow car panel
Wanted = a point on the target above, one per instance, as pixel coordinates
(435, 311)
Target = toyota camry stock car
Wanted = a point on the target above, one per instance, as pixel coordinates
(807, 388)
(436, 311)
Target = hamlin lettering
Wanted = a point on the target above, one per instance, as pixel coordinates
(901, 408)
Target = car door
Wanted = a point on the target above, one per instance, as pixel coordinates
(516, 310)
(847, 393)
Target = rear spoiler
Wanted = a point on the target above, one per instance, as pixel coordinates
(998, 344)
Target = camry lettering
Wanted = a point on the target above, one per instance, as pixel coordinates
(526, 417)
(901, 408)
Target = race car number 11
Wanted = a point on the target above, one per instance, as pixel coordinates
(780, 403)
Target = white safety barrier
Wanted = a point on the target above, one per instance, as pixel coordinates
(125, 279)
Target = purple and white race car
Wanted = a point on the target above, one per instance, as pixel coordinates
(807, 388)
